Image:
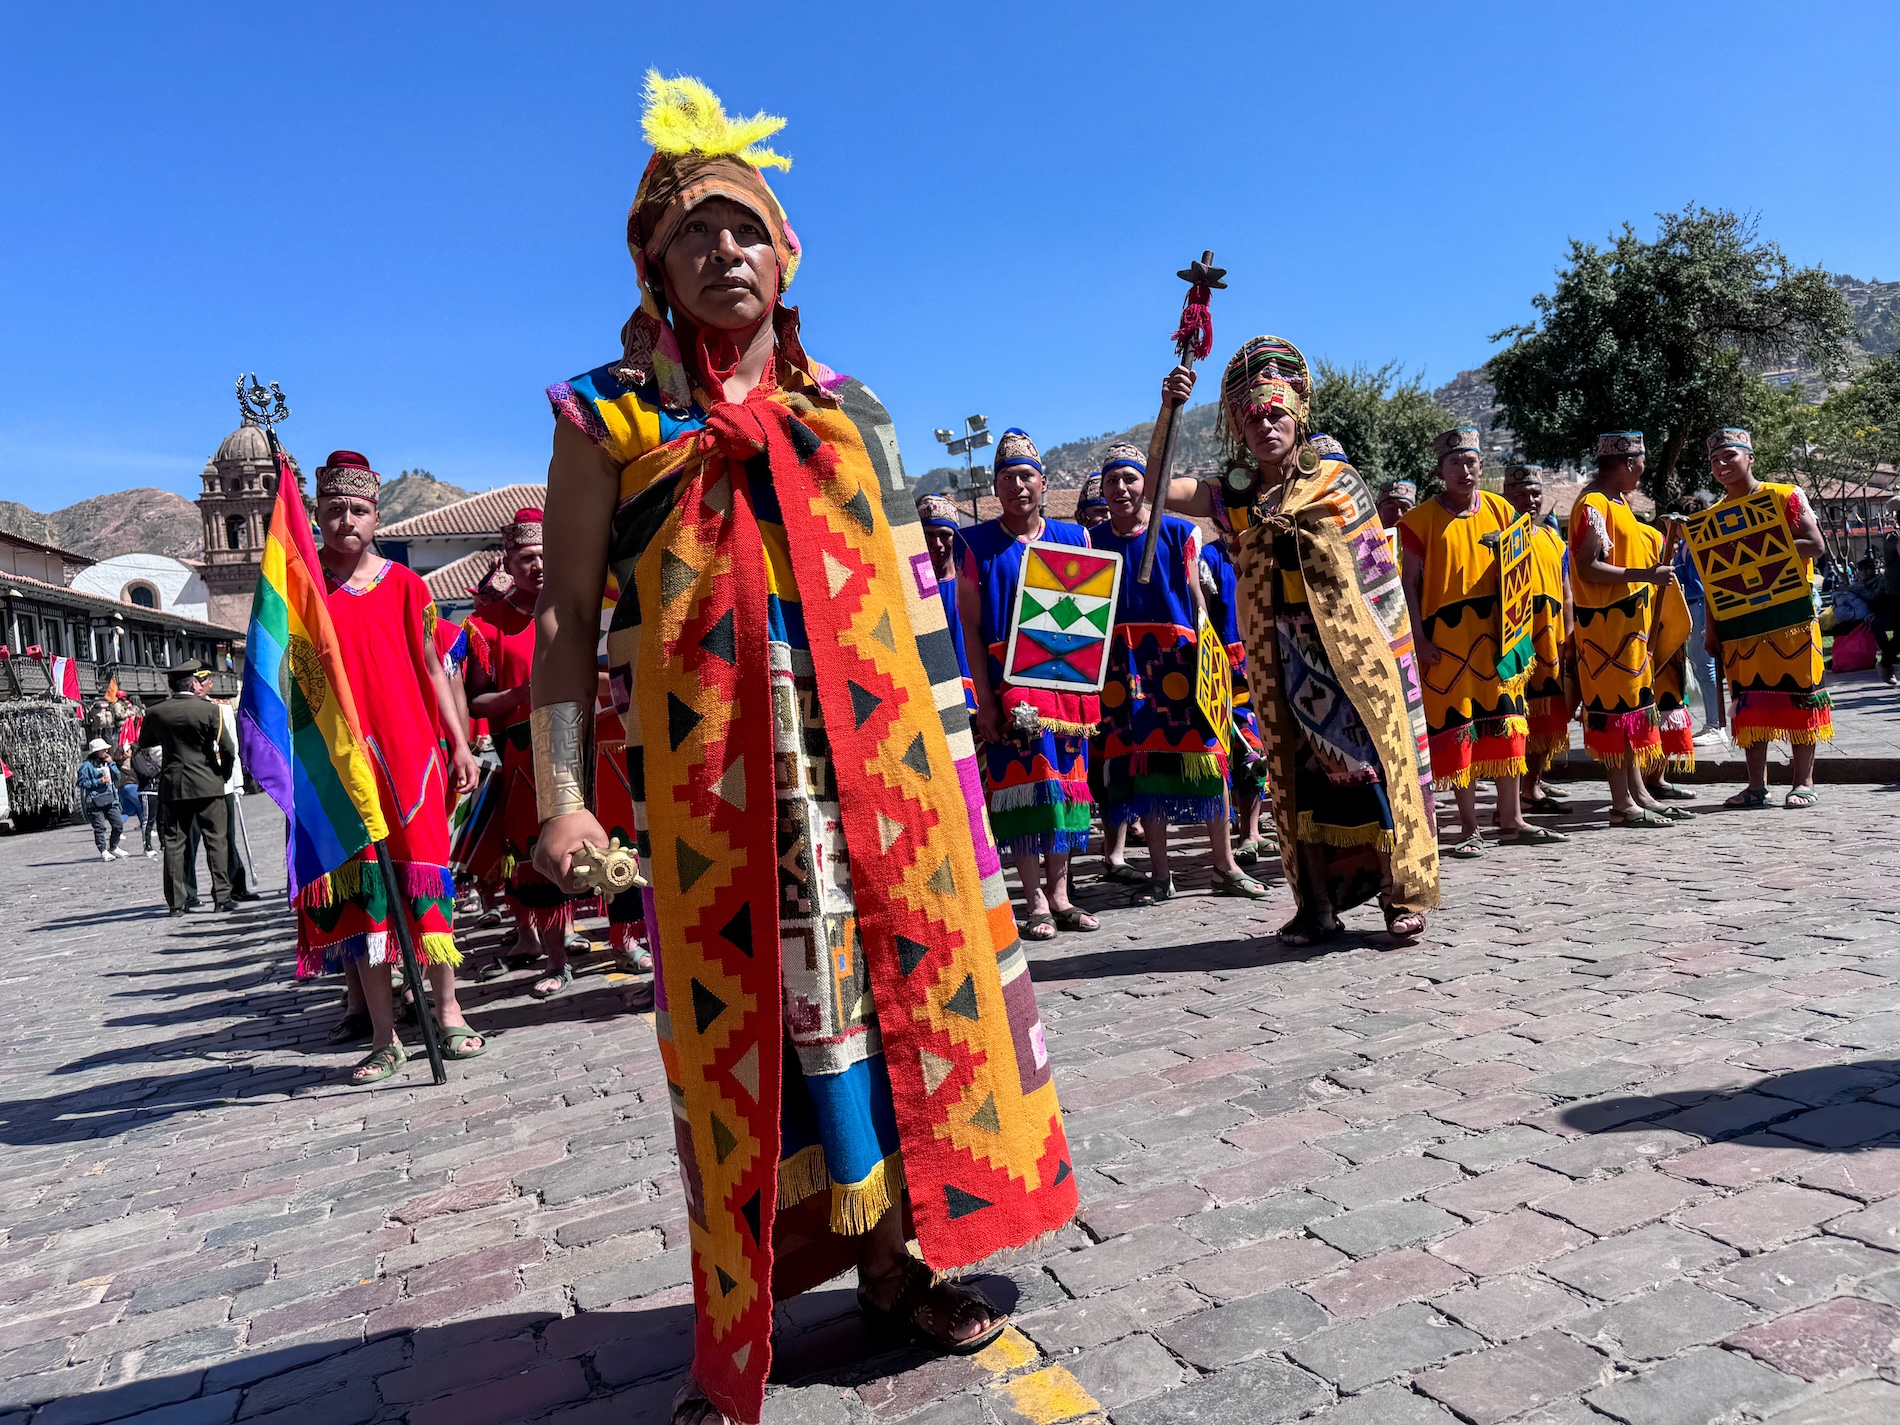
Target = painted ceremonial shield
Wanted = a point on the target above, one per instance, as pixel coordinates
(1065, 611)
(1744, 551)
(1516, 584)
(1214, 685)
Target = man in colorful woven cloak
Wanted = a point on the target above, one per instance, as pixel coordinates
(1613, 579)
(1329, 651)
(1546, 695)
(1776, 677)
(501, 640)
(385, 628)
(846, 1017)
(1162, 760)
(1035, 740)
(1476, 720)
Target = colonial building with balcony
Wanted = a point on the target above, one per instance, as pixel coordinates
(106, 637)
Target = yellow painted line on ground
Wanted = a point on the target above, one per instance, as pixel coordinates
(1048, 1395)
(1008, 1352)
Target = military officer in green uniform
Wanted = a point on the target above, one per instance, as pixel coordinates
(197, 756)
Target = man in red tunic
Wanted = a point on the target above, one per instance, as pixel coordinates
(385, 625)
(502, 629)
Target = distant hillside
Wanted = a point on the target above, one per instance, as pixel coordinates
(415, 492)
(1875, 307)
(126, 522)
(1070, 463)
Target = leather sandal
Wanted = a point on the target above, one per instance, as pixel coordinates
(919, 1291)
(1308, 929)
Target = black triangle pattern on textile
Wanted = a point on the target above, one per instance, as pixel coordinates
(963, 1002)
(805, 441)
(692, 865)
(864, 702)
(707, 1006)
(914, 757)
(961, 1203)
(738, 931)
(859, 508)
(719, 640)
(910, 954)
(750, 1212)
(680, 721)
(676, 576)
(724, 1140)
(1062, 1170)
(726, 1283)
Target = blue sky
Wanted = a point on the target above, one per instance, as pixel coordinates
(413, 216)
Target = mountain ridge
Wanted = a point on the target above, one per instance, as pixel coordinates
(1468, 395)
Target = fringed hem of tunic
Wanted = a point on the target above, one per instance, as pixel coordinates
(375, 948)
(855, 1207)
(1322, 833)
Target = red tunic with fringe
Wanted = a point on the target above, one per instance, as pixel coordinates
(504, 856)
(382, 631)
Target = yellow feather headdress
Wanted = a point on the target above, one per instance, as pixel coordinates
(684, 117)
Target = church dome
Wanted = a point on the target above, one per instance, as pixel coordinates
(245, 443)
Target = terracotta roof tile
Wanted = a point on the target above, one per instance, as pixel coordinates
(485, 513)
(455, 581)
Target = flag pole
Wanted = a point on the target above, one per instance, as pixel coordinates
(412, 970)
(399, 902)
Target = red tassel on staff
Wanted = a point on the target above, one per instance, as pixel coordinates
(1195, 335)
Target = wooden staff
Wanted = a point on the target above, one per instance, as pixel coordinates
(1193, 339)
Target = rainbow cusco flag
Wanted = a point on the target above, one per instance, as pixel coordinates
(297, 723)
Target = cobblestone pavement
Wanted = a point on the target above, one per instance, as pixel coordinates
(1621, 1139)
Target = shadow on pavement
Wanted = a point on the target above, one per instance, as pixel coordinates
(95, 919)
(105, 1110)
(1211, 955)
(1827, 1107)
(519, 1367)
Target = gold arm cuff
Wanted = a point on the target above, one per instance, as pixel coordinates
(562, 758)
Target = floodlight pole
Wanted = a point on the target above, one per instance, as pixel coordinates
(976, 435)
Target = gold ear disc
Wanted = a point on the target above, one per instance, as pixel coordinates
(609, 870)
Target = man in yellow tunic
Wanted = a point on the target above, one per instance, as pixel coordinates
(1546, 695)
(1449, 554)
(1776, 678)
(1612, 586)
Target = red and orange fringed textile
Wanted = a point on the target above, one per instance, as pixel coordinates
(1803, 719)
(1616, 738)
(984, 1158)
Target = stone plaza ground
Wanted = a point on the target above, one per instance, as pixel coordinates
(1619, 1140)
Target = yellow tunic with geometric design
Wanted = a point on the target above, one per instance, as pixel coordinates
(1547, 700)
(1477, 721)
(1776, 677)
(1613, 624)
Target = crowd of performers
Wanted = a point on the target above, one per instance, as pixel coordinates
(803, 723)
(1378, 697)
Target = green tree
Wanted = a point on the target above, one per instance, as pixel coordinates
(1666, 337)
(1384, 419)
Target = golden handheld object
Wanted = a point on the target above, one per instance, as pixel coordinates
(609, 870)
